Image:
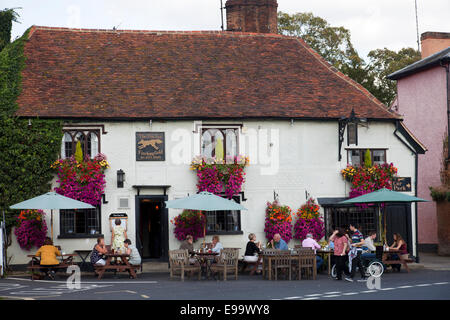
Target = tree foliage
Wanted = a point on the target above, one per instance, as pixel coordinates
(334, 44)
(7, 16)
(26, 151)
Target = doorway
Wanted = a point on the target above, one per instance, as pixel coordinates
(152, 227)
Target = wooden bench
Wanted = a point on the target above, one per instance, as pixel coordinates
(34, 264)
(403, 262)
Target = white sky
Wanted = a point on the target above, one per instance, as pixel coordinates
(373, 23)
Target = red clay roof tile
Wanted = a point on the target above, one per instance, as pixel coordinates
(107, 74)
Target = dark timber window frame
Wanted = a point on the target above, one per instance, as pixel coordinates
(224, 216)
(83, 214)
(86, 145)
(362, 153)
(222, 128)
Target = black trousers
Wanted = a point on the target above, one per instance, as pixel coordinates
(340, 265)
(47, 268)
(356, 262)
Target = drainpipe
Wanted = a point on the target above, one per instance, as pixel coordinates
(446, 67)
(416, 171)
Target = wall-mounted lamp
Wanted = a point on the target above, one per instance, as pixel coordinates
(120, 178)
(150, 123)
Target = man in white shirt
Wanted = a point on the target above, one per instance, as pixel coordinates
(368, 242)
(309, 242)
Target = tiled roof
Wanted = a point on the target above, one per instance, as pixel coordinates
(107, 74)
(434, 60)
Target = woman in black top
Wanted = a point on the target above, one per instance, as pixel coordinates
(252, 249)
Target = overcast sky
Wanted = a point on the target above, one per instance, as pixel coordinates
(373, 23)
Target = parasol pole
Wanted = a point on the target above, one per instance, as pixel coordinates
(204, 233)
(51, 222)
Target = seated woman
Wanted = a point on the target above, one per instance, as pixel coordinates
(132, 251)
(252, 250)
(216, 246)
(98, 252)
(48, 253)
(400, 245)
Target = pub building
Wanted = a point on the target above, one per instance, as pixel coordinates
(153, 100)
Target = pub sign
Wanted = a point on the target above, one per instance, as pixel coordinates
(150, 146)
(402, 184)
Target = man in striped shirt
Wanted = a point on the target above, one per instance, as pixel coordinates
(357, 242)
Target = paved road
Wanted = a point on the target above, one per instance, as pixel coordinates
(419, 284)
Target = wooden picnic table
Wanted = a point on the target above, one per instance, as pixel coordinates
(84, 254)
(387, 260)
(66, 261)
(124, 265)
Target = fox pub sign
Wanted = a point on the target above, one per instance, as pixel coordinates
(150, 146)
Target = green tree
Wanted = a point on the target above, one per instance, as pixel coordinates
(334, 44)
(367, 159)
(7, 16)
(78, 152)
(26, 149)
(383, 62)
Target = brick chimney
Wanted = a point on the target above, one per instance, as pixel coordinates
(433, 42)
(258, 16)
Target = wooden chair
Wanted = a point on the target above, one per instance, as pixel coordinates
(307, 262)
(265, 262)
(179, 261)
(282, 261)
(227, 263)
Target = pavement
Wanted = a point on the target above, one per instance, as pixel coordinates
(429, 280)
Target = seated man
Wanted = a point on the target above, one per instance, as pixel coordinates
(309, 242)
(278, 243)
(188, 245)
(48, 253)
(132, 251)
(368, 243)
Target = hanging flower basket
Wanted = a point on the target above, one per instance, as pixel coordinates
(31, 229)
(368, 179)
(278, 220)
(189, 222)
(218, 176)
(309, 221)
(83, 181)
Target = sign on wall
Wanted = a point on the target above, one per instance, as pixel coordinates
(150, 146)
(402, 184)
(122, 217)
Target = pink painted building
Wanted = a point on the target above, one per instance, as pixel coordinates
(423, 101)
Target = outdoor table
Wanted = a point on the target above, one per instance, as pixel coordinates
(327, 254)
(123, 266)
(267, 262)
(205, 258)
(84, 254)
(61, 256)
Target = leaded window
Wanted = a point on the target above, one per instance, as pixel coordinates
(89, 140)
